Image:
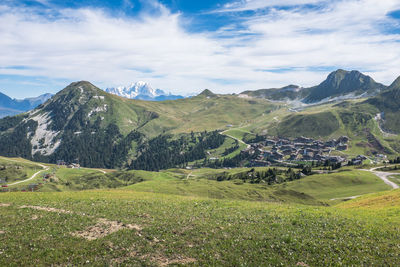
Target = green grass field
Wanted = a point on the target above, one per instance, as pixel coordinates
(116, 227)
(338, 185)
(186, 217)
(17, 169)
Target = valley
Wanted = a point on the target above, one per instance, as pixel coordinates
(107, 180)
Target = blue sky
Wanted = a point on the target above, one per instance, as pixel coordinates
(184, 46)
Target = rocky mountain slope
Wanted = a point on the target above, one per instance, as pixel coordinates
(388, 103)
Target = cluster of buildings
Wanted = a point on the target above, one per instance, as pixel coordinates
(71, 166)
(278, 149)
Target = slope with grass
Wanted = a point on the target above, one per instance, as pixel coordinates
(342, 184)
(125, 228)
(16, 169)
(73, 123)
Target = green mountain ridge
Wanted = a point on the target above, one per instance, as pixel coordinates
(340, 83)
(85, 124)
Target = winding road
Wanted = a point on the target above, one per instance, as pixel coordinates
(45, 168)
(239, 140)
(384, 176)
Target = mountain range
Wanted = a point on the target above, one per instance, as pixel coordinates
(339, 85)
(85, 123)
(142, 91)
(10, 107)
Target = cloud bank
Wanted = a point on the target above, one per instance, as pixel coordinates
(269, 47)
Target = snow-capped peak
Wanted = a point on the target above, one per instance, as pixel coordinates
(136, 90)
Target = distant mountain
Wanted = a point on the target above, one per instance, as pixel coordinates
(344, 83)
(207, 93)
(339, 85)
(289, 92)
(10, 107)
(142, 91)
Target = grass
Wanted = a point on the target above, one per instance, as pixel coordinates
(338, 185)
(181, 217)
(196, 231)
(395, 179)
(16, 169)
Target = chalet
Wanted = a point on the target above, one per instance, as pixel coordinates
(287, 151)
(277, 155)
(342, 147)
(282, 142)
(326, 150)
(270, 142)
(343, 139)
(299, 145)
(303, 139)
(74, 166)
(287, 147)
(336, 159)
(331, 143)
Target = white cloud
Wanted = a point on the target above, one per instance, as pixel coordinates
(89, 44)
(245, 5)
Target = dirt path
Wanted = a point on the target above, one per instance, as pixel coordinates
(45, 168)
(190, 174)
(352, 197)
(384, 176)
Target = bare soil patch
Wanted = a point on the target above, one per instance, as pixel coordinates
(46, 209)
(103, 228)
(163, 261)
(5, 204)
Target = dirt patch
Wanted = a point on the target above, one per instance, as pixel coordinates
(163, 261)
(5, 204)
(2, 232)
(46, 209)
(103, 228)
(300, 263)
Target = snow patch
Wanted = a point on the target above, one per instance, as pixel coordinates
(43, 140)
(98, 97)
(104, 108)
(243, 96)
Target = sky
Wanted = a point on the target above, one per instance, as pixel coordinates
(185, 46)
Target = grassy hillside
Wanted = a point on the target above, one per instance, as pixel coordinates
(187, 217)
(339, 185)
(314, 125)
(12, 170)
(316, 189)
(122, 227)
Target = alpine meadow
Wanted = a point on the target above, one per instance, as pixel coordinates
(113, 152)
